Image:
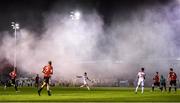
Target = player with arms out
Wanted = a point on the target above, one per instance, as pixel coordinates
(172, 79)
(85, 80)
(47, 71)
(156, 79)
(141, 77)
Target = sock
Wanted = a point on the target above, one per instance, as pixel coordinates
(40, 89)
(81, 86)
(169, 89)
(136, 88)
(153, 88)
(165, 87)
(88, 88)
(47, 87)
(5, 87)
(142, 90)
(49, 93)
(161, 88)
(15, 88)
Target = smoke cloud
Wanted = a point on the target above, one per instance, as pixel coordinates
(145, 37)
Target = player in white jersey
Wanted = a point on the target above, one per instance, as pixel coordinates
(141, 77)
(85, 80)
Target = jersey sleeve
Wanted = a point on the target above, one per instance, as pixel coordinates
(43, 70)
(79, 76)
(175, 75)
(10, 74)
(144, 75)
(138, 75)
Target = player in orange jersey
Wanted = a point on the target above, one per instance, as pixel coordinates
(47, 71)
(156, 79)
(172, 79)
(13, 78)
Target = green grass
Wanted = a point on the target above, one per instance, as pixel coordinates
(98, 94)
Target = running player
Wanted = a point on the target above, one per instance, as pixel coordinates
(141, 77)
(13, 79)
(85, 80)
(172, 79)
(156, 79)
(48, 71)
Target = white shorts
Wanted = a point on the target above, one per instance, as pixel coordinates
(85, 83)
(141, 82)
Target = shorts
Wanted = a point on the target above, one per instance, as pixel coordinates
(172, 82)
(37, 82)
(85, 83)
(13, 81)
(156, 83)
(141, 82)
(163, 84)
(46, 80)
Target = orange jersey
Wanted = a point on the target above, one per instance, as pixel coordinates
(48, 71)
(172, 76)
(156, 78)
(12, 74)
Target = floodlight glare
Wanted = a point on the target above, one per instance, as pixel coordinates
(75, 15)
(15, 25)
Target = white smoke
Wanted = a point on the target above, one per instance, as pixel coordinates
(66, 42)
(146, 38)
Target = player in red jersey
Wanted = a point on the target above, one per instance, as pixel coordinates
(156, 79)
(172, 79)
(47, 71)
(13, 78)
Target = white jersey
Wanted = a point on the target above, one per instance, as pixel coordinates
(141, 78)
(85, 78)
(141, 75)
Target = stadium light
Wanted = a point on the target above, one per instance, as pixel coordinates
(75, 15)
(15, 28)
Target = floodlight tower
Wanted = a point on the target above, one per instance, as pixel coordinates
(15, 27)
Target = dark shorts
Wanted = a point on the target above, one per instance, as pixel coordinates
(46, 80)
(173, 82)
(156, 83)
(163, 84)
(37, 82)
(13, 81)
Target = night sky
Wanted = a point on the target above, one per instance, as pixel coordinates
(30, 13)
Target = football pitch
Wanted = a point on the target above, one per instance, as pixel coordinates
(97, 94)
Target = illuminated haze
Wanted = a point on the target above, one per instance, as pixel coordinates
(145, 37)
